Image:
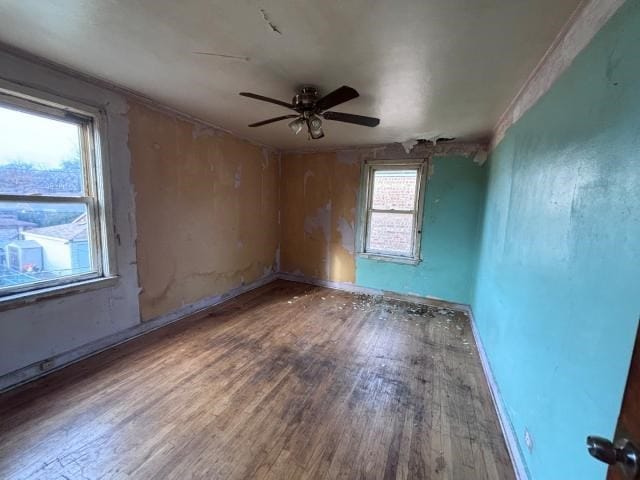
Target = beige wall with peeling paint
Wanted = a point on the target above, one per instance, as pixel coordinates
(206, 208)
(318, 207)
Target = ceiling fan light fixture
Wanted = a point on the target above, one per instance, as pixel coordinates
(315, 127)
(296, 125)
(311, 110)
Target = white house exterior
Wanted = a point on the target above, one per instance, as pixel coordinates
(65, 248)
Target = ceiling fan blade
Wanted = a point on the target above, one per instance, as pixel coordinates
(350, 118)
(338, 96)
(271, 120)
(255, 96)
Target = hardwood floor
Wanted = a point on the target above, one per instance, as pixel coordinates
(289, 381)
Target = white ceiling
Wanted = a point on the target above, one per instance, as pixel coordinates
(425, 67)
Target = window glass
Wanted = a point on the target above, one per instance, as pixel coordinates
(391, 233)
(394, 189)
(39, 155)
(392, 209)
(43, 240)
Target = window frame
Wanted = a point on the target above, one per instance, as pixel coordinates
(96, 197)
(366, 208)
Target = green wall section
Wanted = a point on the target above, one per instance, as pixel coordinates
(557, 295)
(453, 201)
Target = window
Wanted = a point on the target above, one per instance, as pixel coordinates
(391, 216)
(52, 202)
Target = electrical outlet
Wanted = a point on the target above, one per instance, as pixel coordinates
(46, 364)
(528, 440)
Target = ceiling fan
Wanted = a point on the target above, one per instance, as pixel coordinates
(310, 108)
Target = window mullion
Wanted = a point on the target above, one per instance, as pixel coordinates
(43, 198)
(379, 210)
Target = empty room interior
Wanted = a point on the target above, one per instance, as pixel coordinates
(347, 239)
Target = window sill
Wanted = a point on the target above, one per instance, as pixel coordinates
(27, 298)
(390, 258)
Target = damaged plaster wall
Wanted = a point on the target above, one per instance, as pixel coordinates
(48, 328)
(450, 234)
(207, 209)
(320, 190)
(318, 198)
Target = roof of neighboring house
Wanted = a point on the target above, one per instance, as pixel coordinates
(11, 221)
(74, 231)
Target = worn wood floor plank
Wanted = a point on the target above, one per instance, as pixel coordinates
(287, 381)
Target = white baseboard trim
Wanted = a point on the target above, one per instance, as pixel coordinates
(508, 433)
(32, 372)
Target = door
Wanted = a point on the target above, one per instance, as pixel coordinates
(629, 420)
(628, 428)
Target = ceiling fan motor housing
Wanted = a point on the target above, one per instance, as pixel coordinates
(306, 99)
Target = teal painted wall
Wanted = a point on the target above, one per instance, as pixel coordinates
(450, 233)
(557, 295)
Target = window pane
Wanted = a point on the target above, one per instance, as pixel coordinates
(39, 155)
(394, 189)
(42, 241)
(391, 233)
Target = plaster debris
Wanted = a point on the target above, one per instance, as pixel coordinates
(267, 18)
(423, 139)
(480, 157)
(409, 144)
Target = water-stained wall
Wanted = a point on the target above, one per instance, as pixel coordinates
(319, 200)
(318, 214)
(207, 210)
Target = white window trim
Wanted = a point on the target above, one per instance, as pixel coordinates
(97, 198)
(366, 183)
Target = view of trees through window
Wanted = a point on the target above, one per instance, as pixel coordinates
(40, 238)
